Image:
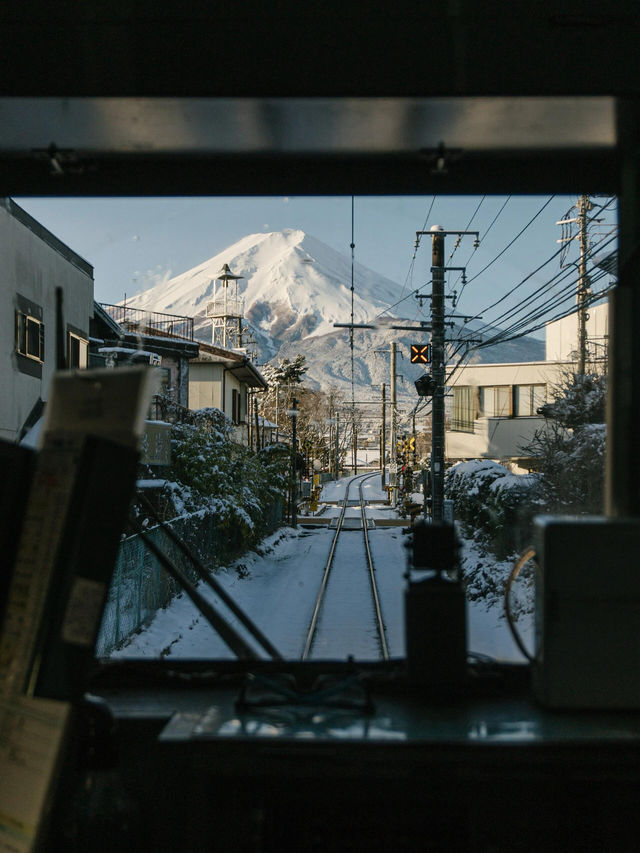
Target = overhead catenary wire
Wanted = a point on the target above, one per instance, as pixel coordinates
(476, 247)
(513, 335)
(466, 228)
(511, 242)
(409, 275)
(528, 325)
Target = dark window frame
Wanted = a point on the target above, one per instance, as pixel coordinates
(29, 336)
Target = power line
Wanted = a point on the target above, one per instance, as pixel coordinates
(467, 226)
(594, 298)
(562, 273)
(566, 292)
(493, 222)
(508, 246)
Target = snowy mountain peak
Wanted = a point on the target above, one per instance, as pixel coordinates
(293, 286)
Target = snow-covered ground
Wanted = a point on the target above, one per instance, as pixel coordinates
(277, 586)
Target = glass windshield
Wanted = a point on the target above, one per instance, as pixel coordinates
(288, 439)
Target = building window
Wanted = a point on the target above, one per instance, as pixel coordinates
(463, 413)
(495, 401)
(77, 350)
(235, 406)
(29, 336)
(527, 399)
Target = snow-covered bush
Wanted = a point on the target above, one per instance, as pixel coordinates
(570, 448)
(579, 398)
(494, 506)
(211, 474)
(494, 509)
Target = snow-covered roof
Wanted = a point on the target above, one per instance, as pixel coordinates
(267, 424)
(129, 351)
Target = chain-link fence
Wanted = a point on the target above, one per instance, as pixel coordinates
(140, 586)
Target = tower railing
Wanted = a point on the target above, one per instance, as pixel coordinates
(150, 322)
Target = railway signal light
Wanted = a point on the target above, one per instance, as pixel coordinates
(420, 353)
(425, 385)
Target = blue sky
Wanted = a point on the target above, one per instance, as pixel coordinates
(132, 242)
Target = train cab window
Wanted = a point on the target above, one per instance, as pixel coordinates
(263, 512)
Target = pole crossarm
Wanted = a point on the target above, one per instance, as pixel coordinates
(425, 327)
(443, 233)
(354, 326)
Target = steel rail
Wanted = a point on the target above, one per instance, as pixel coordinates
(325, 577)
(327, 569)
(374, 588)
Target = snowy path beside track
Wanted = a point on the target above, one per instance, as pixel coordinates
(277, 587)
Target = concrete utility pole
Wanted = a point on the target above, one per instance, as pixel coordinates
(438, 372)
(584, 291)
(354, 435)
(415, 437)
(438, 366)
(393, 467)
(383, 435)
(293, 414)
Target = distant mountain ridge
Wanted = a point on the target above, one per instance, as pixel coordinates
(295, 288)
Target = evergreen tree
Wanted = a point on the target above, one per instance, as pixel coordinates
(570, 448)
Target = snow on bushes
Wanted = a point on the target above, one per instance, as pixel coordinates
(494, 509)
(210, 474)
(494, 506)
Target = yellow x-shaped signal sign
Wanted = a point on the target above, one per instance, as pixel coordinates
(420, 353)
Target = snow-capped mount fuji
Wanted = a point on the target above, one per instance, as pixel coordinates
(293, 286)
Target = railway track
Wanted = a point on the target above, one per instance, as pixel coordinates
(334, 567)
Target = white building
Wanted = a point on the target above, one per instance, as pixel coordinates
(493, 408)
(221, 378)
(33, 265)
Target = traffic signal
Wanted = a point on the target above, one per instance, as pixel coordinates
(420, 353)
(425, 386)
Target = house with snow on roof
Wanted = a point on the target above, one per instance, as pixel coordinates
(194, 375)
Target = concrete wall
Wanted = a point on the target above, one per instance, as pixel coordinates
(518, 373)
(562, 336)
(207, 379)
(33, 262)
(494, 437)
(205, 385)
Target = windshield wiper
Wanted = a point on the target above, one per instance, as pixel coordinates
(235, 641)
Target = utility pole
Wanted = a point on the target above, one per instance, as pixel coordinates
(584, 291)
(415, 437)
(383, 431)
(393, 467)
(438, 366)
(293, 414)
(438, 372)
(354, 435)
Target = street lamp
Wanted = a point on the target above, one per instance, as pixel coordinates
(293, 414)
